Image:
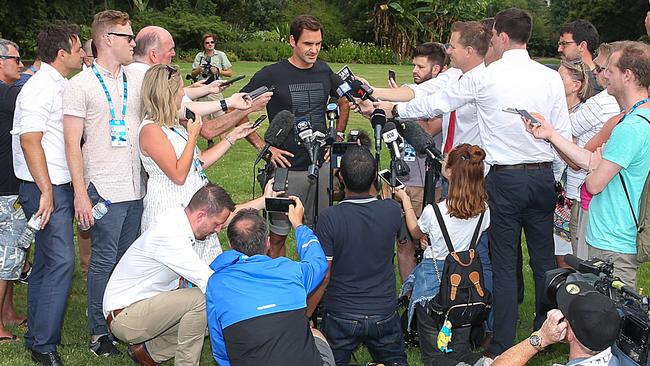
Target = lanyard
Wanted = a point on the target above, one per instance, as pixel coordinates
(635, 106)
(108, 95)
(198, 165)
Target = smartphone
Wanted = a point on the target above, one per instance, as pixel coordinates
(281, 176)
(189, 115)
(235, 79)
(259, 91)
(258, 121)
(391, 75)
(385, 176)
(524, 113)
(278, 204)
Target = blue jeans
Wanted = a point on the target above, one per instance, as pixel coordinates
(51, 278)
(381, 334)
(111, 237)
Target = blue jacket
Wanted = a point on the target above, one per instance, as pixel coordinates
(244, 287)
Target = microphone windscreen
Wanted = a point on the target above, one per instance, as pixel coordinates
(378, 117)
(573, 261)
(416, 136)
(389, 126)
(338, 85)
(279, 128)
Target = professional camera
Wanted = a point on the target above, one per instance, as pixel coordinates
(633, 343)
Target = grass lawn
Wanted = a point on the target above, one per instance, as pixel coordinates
(235, 173)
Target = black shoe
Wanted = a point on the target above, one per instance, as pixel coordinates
(47, 359)
(104, 346)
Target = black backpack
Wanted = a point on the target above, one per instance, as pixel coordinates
(462, 299)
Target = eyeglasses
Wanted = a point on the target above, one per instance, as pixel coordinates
(598, 69)
(564, 43)
(448, 46)
(130, 37)
(171, 70)
(16, 58)
(209, 42)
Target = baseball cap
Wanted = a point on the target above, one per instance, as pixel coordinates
(593, 316)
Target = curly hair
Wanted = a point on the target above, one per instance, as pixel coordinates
(467, 197)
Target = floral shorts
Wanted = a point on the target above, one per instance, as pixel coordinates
(12, 224)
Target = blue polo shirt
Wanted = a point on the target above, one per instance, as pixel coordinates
(611, 226)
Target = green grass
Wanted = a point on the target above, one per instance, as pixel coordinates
(234, 173)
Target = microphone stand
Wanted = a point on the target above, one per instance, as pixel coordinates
(331, 139)
(431, 177)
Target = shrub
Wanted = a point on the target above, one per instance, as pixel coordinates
(258, 50)
(349, 51)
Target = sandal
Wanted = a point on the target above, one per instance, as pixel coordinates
(24, 275)
(11, 339)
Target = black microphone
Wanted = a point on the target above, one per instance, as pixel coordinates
(417, 137)
(332, 110)
(363, 91)
(378, 120)
(278, 131)
(343, 89)
(597, 267)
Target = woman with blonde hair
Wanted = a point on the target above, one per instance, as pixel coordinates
(461, 212)
(170, 154)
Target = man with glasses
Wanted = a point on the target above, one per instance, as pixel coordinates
(586, 122)
(102, 104)
(578, 41)
(45, 191)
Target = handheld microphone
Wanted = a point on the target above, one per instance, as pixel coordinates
(391, 137)
(343, 89)
(378, 120)
(417, 137)
(312, 141)
(332, 110)
(363, 91)
(277, 133)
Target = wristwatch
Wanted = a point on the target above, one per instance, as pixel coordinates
(224, 106)
(535, 340)
(394, 112)
(340, 135)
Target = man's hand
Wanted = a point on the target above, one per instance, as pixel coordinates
(364, 107)
(554, 328)
(214, 70)
(268, 190)
(45, 207)
(542, 131)
(239, 101)
(242, 131)
(260, 102)
(392, 84)
(279, 157)
(296, 212)
(83, 209)
(386, 106)
(217, 86)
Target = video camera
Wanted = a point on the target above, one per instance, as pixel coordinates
(633, 343)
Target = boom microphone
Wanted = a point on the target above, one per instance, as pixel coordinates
(278, 131)
(417, 137)
(361, 90)
(378, 120)
(343, 89)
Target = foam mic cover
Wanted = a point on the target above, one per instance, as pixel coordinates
(279, 128)
(341, 87)
(417, 137)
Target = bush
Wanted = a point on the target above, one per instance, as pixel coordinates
(349, 51)
(258, 50)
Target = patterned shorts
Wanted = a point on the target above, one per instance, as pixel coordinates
(12, 224)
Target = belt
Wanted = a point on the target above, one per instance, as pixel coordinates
(112, 315)
(535, 166)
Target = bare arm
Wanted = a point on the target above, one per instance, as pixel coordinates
(73, 130)
(344, 115)
(214, 127)
(37, 164)
(226, 72)
(215, 153)
(409, 214)
(603, 135)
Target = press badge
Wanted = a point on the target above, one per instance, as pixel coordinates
(118, 133)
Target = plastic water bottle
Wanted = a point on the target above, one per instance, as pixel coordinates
(100, 209)
(29, 233)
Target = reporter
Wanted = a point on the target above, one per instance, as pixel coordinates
(169, 152)
(586, 319)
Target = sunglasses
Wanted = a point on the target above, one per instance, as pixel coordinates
(209, 42)
(598, 69)
(16, 58)
(130, 37)
(171, 71)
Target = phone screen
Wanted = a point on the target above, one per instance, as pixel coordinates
(189, 114)
(385, 176)
(391, 74)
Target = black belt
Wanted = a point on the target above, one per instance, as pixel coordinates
(535, 166)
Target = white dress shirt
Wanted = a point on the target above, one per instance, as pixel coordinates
(466, 131)
(39, 108)
(155, 262)
(436, 84)
(514, 81)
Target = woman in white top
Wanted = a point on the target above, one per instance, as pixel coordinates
(169, 152)
(466, 201)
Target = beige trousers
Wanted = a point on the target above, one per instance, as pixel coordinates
(172, 324)
(625, 265)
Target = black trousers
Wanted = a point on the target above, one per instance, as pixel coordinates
(518, 199)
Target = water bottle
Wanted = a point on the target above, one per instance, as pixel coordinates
(98, 211)
(29, 233)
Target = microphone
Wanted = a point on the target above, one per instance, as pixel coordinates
(391, 137)
(277, 133)
(363, 91)
(343, 89)
(378, 120)
(312, 142)
(417, 137)
(332, 110)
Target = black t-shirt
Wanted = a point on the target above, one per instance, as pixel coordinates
(303, 92)
(8, 181)
(358, 235)
(278, 339)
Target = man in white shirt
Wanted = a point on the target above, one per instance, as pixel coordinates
(46, 193)
(521, 182)
(144, 305)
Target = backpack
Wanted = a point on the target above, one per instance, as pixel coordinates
(462, 299)
(642, 236)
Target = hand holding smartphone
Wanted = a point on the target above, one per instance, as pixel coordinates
(278, 204)
(189, 115)
(233, 80)
(259, 91)
(391, 75)
(258, 121)
(524, 113)
(385, 176)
